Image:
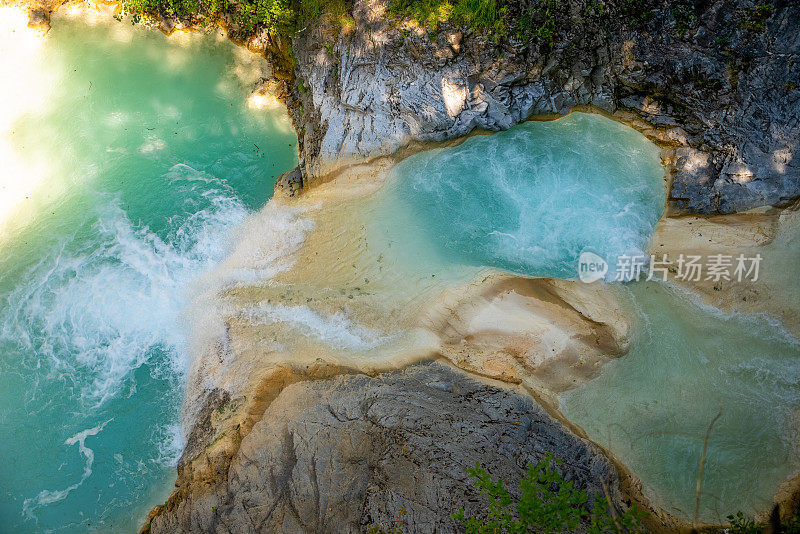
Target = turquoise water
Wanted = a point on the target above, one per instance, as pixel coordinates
(530, 199)
(129, 157)
(136, 159)
(687, 363)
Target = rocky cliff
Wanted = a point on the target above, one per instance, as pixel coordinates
(705, 78)
(354, 451)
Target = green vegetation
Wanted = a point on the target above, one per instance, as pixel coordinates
(281, 17)
(733, 69)
(755, 19)
(536, 20)
(547, 31)
(526, 19)
(532, 19)
(479, 14)
(395, 528)
(594, 9)
(547, 504)
(684, 16)
(741, 524)
(707, 83)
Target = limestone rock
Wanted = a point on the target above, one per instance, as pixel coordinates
(346, 453)
(373, 90)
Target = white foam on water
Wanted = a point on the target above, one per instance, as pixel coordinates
(264, 246)
(170, 441)
(533, 198)
(92, 311)
(47, 497)
(92, 300)
(97, 314)
(334, 329)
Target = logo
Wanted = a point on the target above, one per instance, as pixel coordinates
(591, 267)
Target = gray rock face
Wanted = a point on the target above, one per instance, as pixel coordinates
(343, 454)
(727, 97)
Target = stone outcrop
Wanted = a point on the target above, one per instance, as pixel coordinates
(307, 451)
(354, 451)
(724, 96)
(325, 448)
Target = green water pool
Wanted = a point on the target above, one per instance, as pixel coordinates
(688, 362)
(131, 157)
(136, 158)
(530, 200)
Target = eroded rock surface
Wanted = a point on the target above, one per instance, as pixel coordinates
(725, 97)
(344, 453)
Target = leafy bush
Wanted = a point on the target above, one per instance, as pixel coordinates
(594, 8)
(479, 14)
(547, 31)
(755, 19)
(741, 524)
(684, 15)
(547, 504)
(276, 16)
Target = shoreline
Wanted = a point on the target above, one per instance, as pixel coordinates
(669, 231)
(364, 180)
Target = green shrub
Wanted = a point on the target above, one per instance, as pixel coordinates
(276, 16)
(547, 31)
(547, 504)
(594, 9)
(741, 524)
(684, 16)
(427, 13)
(478, 14)
(755, 19)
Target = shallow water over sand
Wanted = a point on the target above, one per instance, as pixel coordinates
(689, 362)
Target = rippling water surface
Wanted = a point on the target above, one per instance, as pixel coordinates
(529, 200)
(128, 158)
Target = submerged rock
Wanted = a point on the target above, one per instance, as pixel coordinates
(348, 452)
(291, 180)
